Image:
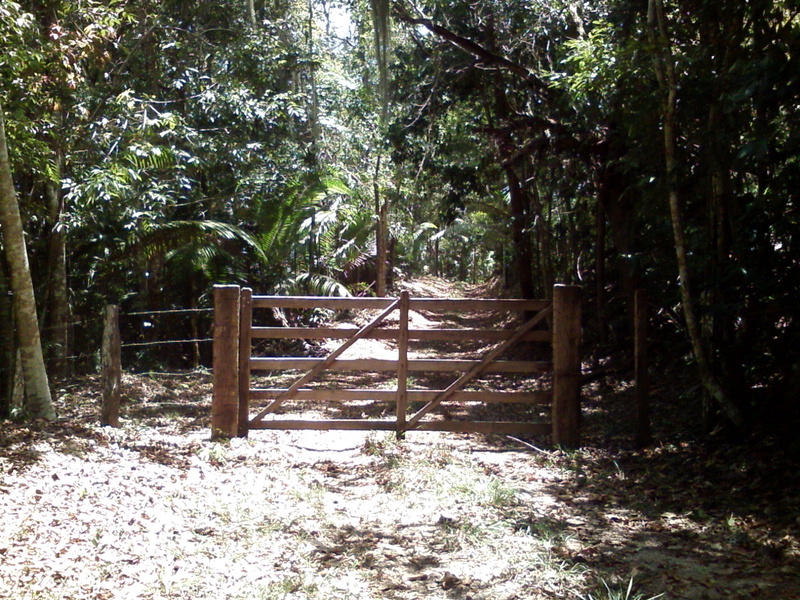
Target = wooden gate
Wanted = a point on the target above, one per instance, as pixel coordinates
(234, 334)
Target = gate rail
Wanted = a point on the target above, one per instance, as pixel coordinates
(233, 364)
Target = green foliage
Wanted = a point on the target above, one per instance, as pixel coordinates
(596, 65)
(311, 231)
(312, 284)
(201, 241)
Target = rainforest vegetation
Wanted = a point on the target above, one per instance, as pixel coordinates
(155, 148)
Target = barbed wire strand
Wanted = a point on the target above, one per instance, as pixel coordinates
(94, 354)
(93, 320)
(187, 374)
(160, 342)
(70, 324)
(165, 312)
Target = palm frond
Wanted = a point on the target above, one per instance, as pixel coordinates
(312, 284)
(159, 239)
(353, 268)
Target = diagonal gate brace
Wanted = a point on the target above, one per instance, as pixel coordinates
(478, 369)
(318, 368)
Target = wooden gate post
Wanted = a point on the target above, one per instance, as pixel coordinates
(225, 397)
(111, 367)
(566, 365)
(245, 349)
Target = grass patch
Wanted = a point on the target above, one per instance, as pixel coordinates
(623, 591)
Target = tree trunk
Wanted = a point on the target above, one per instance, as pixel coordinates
(56, 321)
(313, 109)
(523, 256)
(7, 350)
(600, 270)
(618, 207)
(381, 230)
(39, 402)
(545, 240)
(251, 14)
(720, 326)
(195, 330)
(665, 72)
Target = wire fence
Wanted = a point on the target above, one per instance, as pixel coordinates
(157, 339)
(144, 349)
(172, 311)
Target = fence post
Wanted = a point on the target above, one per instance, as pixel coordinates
(245, 341)
(566, 365)
(225, 397)
(641, 390)
(111, 367)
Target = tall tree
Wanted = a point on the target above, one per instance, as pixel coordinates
(39, 404)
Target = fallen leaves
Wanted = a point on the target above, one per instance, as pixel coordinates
(154, 510)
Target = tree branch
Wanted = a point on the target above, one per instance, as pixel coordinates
(486, 57)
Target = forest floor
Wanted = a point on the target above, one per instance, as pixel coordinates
(155, 510)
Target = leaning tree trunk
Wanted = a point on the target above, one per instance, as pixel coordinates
(38, 401)
(665, 72)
